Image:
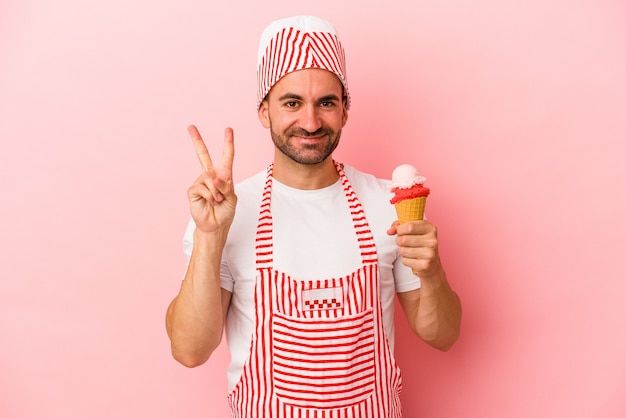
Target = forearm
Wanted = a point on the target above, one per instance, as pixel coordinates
(195, 318)
(438, 315)
(433, 310)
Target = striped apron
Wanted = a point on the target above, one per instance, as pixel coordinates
(318, 346)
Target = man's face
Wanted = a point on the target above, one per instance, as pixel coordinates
(305, 112)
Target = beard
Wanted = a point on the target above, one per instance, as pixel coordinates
(307, 153)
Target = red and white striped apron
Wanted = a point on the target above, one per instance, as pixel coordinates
(318, 347)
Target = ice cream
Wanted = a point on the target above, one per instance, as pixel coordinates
(409, 193)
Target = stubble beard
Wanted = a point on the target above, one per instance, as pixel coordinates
(307, 154)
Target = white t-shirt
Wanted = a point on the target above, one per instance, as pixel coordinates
(313, 238)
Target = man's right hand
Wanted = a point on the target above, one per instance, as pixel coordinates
(212, 198)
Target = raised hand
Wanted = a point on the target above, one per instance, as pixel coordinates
(212, 197)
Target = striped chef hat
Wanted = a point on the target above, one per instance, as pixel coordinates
(296, 43)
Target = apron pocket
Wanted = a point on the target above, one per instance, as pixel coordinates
(323, 362)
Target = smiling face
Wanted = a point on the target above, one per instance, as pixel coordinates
(305, 112)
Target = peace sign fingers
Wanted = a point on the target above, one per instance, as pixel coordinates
(228, 153)
(212, 197)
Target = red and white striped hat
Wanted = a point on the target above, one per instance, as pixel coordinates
(296, 43)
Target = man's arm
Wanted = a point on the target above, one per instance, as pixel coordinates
(195, 318)
(434, 310)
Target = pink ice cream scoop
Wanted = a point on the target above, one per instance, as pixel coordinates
(407, 183)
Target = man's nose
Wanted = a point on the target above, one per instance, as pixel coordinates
(310, 119)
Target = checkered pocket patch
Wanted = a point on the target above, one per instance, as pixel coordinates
(320, 299)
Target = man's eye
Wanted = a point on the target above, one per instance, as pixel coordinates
(327, 104)
(291, 104)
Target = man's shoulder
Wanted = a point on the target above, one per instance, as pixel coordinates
(366, 182)
(374, 195)
(252, 185)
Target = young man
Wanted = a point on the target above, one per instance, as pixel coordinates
(300, 264)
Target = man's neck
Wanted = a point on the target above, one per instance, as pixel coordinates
(305, 176)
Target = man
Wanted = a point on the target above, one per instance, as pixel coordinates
(301, 265)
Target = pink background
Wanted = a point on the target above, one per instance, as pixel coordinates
(516, 111)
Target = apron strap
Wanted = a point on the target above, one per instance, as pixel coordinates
(364, 234)
(264, 247)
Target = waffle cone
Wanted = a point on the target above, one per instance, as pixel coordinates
(411, 209)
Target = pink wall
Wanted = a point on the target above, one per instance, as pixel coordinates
(516, 111)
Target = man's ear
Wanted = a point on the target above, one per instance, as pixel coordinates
(345, 113)
(263, 113)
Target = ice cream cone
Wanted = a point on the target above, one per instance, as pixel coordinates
(411, 209)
